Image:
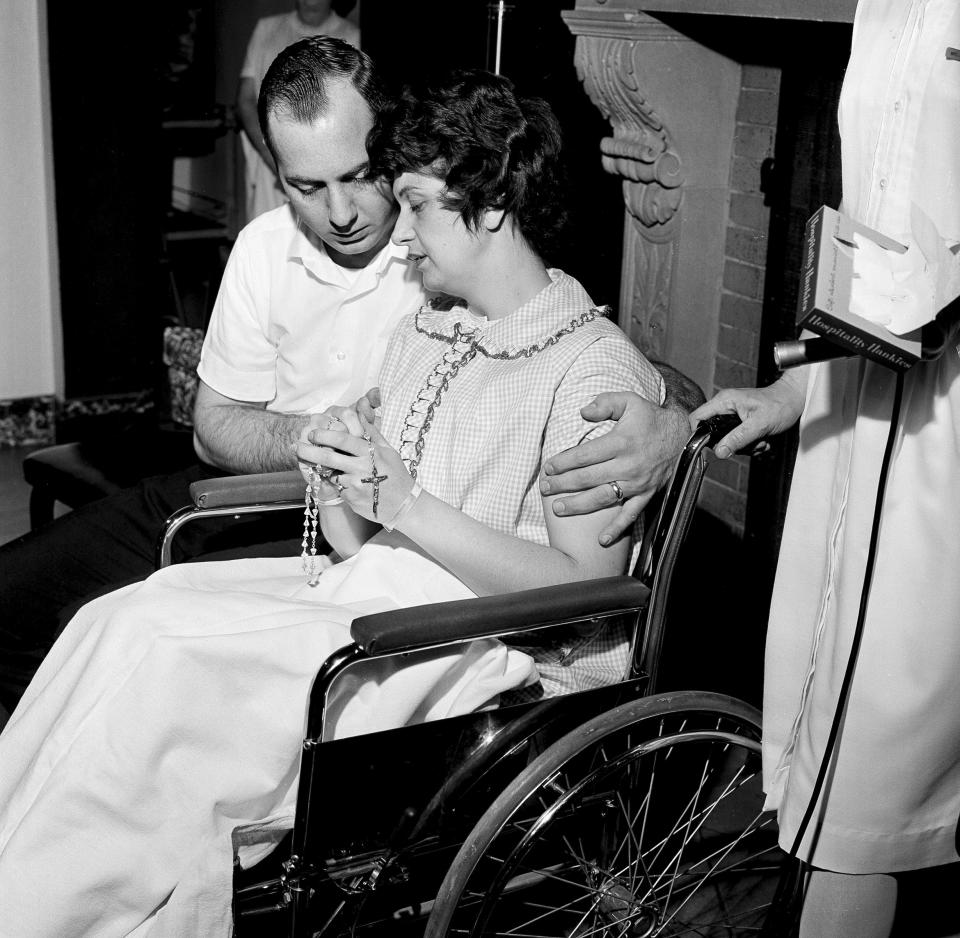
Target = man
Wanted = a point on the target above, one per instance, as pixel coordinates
(309, 296)
(302, 339)
(270, 36)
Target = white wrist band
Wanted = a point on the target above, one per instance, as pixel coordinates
(405, 506)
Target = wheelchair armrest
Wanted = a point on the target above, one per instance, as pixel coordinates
(401, 630)
(260, 489)
(232, 495)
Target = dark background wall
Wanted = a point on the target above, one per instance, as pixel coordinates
(120, 76)
(105, 101)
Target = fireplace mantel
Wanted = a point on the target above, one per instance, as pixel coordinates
(691, 91)
(667, 76)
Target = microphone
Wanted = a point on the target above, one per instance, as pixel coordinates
(804, 351)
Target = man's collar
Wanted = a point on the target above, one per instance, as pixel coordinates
(312, 253)
(302, 248)
(392, 253)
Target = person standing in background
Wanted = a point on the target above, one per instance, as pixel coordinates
(270, 36)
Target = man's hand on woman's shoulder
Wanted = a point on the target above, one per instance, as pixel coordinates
(637, 454)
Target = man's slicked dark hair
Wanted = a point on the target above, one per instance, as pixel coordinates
(492, 148)
(296, 82)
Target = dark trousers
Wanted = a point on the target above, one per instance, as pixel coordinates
(46, 575)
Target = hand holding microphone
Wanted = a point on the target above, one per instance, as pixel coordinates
(936, 337)
(806, 351)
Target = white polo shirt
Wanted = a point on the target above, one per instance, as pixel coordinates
(292, 328)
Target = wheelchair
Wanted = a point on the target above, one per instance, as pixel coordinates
(615, 811)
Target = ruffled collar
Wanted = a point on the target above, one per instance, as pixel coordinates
(558, 304)
(557, 310)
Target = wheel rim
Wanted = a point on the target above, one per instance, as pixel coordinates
(662, 837)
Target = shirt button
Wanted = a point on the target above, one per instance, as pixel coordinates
(341, 356)
(883, 183)
(898, 105)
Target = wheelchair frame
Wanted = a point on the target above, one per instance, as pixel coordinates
(462, 788)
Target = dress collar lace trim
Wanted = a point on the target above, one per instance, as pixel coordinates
(557, 311)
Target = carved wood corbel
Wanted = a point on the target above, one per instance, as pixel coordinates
(643, 154)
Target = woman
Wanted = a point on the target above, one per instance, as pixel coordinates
(892, 798)
(170, 713)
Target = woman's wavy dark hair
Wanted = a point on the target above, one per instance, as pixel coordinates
(492, 148)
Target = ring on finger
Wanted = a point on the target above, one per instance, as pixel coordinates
(335, 480)
(617, 492)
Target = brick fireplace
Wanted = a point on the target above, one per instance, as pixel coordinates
(722, 116)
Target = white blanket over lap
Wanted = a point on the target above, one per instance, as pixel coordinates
(241, 642)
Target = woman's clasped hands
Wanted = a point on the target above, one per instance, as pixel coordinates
(345, 456)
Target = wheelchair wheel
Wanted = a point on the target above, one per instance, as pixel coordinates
(644, 821)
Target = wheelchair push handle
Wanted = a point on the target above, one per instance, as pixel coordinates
(673, 523)
(680, 496)
(712, 430)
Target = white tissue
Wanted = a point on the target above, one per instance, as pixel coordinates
(891, 289)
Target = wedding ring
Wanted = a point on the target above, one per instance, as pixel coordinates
(335, 480)
(617, 492)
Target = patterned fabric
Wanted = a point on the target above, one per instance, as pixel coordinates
(482, 438)
(581, 658)
(181, 355)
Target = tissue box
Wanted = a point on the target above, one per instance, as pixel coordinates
(823, 306)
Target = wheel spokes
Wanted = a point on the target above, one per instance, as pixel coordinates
(656, 840)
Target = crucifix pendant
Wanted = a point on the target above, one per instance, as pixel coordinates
(375, 480)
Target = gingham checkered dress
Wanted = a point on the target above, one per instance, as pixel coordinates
(473, 407)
